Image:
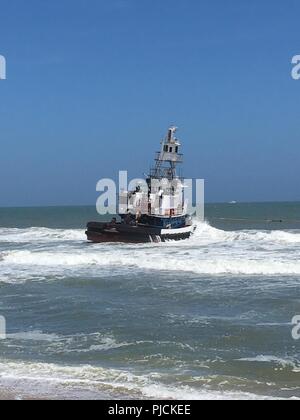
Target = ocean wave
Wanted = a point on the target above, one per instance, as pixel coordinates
(287, 363)
(49, 377)
(77, 343)
(106, 343)
(205, 234)
(133, 259)
(83, 343)
(209, 252)
(35, 335)
(40, 234)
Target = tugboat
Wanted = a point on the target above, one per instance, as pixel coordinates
(157, 213)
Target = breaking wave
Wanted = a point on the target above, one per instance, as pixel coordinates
(204, 234)
(36, 234)
(209, 252)
(207, 233)
(51, 379)
(213, 265)
(286, 363)
(130, 364)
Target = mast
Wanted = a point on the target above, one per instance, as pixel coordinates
(165, 194)
(168, 158)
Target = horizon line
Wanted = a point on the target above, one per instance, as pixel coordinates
(93, 205)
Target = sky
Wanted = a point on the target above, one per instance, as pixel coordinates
(92, 87)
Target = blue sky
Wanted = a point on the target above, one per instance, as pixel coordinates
(93, 85)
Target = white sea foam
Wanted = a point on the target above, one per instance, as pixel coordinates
(39, 234)
(119, 382)
(209, 252)
(198, 262)
(204, 233)
(269, 359)
(105, 343)
(207, 233)
(35, 335)
(40, 254)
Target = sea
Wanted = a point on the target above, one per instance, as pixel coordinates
(210, 317)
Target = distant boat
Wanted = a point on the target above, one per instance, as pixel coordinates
(156, 215)
(233, 202)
